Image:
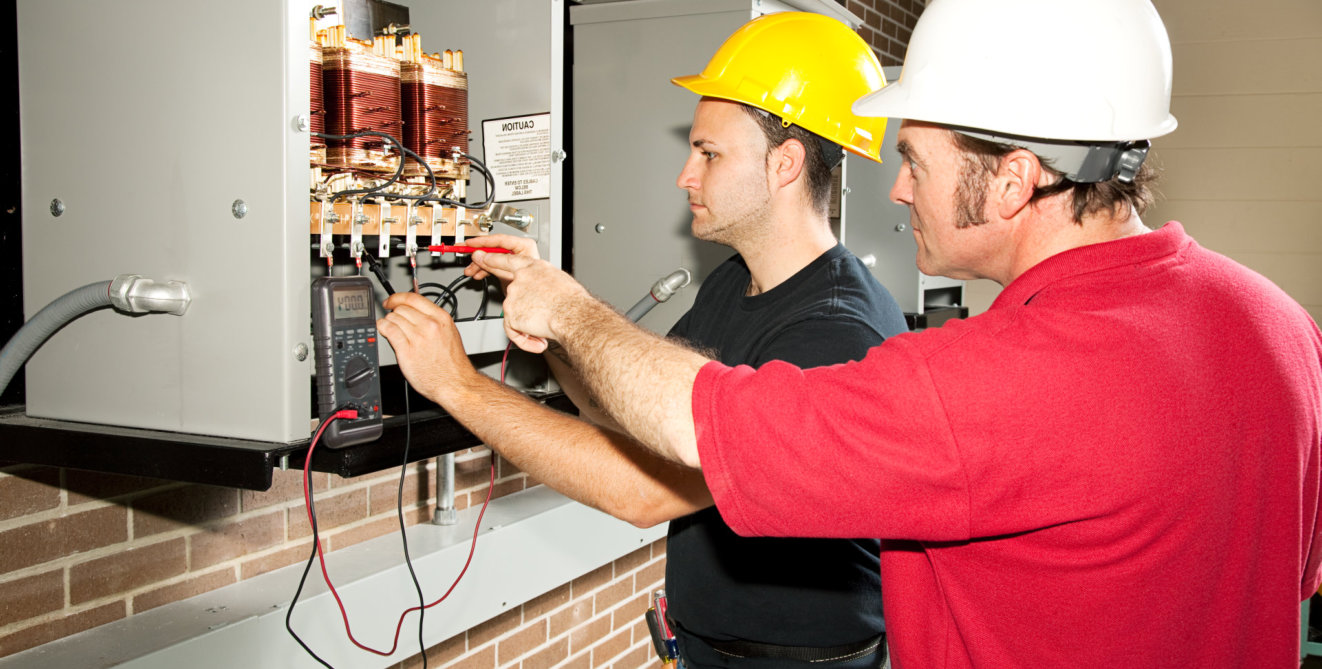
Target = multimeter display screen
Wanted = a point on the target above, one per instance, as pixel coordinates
(352, 303)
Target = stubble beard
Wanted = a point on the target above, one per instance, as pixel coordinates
(743, 217)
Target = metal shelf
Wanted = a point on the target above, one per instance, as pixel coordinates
(234, 463)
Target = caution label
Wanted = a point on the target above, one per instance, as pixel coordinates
(518, 153)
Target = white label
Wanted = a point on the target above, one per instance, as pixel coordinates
(518, 153)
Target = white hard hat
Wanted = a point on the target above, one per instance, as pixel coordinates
(1092, 71)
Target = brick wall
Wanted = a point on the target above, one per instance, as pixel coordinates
(593, 621)
(80, 549)
(886, 25)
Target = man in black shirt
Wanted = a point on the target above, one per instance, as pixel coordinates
(758, 179)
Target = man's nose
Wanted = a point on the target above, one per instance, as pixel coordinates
(688, 179)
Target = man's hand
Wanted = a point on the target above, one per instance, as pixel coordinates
(427, 346)
(519, 246)
(535, 293)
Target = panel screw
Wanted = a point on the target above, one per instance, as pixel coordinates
(558, 155)
(600, 228)
(900, 227)
(239, 209)
(56, 207)
(301, 352)
(302, 123)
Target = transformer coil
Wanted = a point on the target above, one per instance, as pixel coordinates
(361, 90)
(317, 105)
(435, 112)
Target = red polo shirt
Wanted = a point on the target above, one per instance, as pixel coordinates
(1116, 465)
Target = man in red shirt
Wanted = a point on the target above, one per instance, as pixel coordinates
(1117, 465)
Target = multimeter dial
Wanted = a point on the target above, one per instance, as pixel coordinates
(358, 373)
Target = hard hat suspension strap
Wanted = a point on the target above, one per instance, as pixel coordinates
(1080, 162)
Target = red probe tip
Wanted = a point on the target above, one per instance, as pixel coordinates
(447, 248)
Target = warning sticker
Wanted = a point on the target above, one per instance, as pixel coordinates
(518, 153)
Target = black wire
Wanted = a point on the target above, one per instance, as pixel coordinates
(430, 195)
(486, 297)
(375, 266)
(447, 296)
(403, 534)
(482, 308)
(454, 285)
(431, 178)
(491, 186)
(312, 519)
(399, 169)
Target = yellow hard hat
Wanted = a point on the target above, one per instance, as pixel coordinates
(807, 69)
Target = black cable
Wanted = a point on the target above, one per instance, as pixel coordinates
(431, 179)
(399, 169)
(380, 272)
(404, 152)
(447, 296)
(461, 280)
(403, 534)
(486, 297)
(312, 520)
(482, 308)
(491, 186)
(454, 285)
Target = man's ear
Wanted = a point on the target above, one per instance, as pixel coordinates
(785, 163)
(1017, 178)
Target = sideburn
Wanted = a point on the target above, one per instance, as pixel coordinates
(970, 193)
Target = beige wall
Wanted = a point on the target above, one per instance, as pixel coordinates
(1243, 172)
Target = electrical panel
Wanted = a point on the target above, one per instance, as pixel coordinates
(248, 148)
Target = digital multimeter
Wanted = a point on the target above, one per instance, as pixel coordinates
(348, 377)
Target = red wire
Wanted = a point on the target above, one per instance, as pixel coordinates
(321, 557)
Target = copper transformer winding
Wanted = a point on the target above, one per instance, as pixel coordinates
(317, 115)
(435, 94)
(361, 92)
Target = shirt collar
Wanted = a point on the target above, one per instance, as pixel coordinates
(1159, 243)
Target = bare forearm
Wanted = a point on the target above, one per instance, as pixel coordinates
(597, 467)
(588, 408)
(642, 381)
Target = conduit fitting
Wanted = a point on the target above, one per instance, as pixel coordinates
(135, 294)
(670, 284)
(662, 290)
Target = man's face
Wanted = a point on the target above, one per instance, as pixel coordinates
(947, 219)
(726, 173)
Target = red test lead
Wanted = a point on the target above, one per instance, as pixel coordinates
(447, 248)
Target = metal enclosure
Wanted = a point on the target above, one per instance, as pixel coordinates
(631, 222)
(148, 121)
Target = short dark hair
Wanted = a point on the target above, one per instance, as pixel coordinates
(1087, 198)
(815, 166)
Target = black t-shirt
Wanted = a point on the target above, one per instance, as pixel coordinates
(789, 592)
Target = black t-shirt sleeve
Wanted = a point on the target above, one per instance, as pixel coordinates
(820, 342)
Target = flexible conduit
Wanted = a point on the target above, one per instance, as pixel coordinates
(47, 322)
